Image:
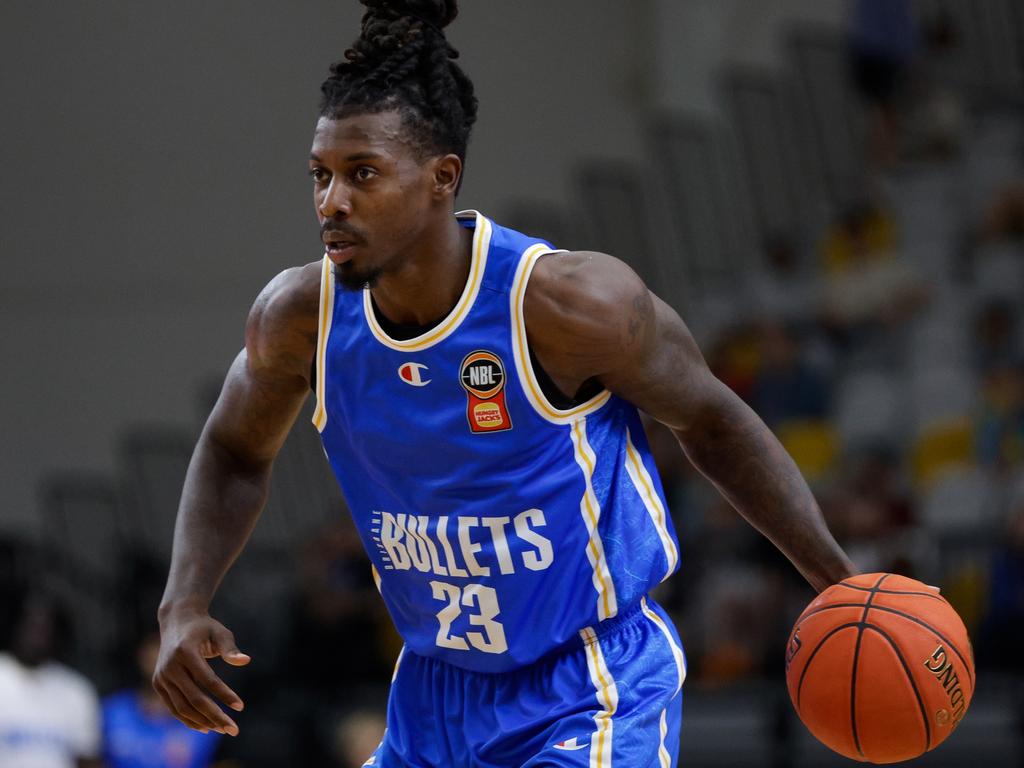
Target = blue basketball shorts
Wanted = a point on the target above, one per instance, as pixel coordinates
(613, 700)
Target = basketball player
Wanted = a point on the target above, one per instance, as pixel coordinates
(477, 394)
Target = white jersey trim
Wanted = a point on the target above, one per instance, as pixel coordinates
(440, 332)
(644, 484)
(323, 333)
(677, 652)
(590, 509)
(521, 349)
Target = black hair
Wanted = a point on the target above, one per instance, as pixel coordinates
(403, 62)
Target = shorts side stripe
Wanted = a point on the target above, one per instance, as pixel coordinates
(644, 485)
(677, 652)
(590, 509)
(607, 697)
(663, 756)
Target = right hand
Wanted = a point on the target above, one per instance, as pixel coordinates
(184, 679)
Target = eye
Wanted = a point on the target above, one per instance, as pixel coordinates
(319, 175)
(364, 173)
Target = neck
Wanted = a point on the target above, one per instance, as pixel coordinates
(429, 282)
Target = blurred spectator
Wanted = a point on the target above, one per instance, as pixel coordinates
(49, 714)
(341, 645)
(863, 233)
(1004, 625)
(999, 431)
(358, 734)
(995, 336)
(733, 358)
(1004, 218)
(871, 512)
(868, 288)
(139, 732)
(338, 607)
(883, 38)
(781, 290)
(786, 388)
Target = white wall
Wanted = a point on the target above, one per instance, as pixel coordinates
(153, 179)
(153, 174)
(694, 39)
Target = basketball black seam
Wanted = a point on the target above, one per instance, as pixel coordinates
(807, 614)
(856, 657)
(938, 634)
(932, 595)
(898, 612)
(913, 685)
(800, 684)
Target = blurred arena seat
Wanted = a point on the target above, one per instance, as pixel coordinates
(941, 448)
(870, 409)
(814, 445)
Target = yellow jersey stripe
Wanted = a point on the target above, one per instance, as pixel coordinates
(478, 264)
(607, 697)
(590, 509)
(677, 652)
(644, 484)
(323, 332)
(520, 348)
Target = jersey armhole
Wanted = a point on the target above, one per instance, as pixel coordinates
(528, 379)
(319, 368)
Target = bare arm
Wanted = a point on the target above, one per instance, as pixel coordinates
(590, 317)
(225, 488)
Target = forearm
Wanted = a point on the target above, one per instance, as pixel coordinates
(220, 503)
(736, 451)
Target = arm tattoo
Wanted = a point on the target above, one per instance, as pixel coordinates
(639, 316)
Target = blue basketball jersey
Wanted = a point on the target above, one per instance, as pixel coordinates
(498, 525)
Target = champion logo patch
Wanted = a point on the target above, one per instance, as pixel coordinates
(570, 744)
(482, 375)
(412, 373)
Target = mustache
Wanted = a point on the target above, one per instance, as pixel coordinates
(341, 227)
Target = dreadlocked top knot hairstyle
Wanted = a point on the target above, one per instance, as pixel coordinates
(403, 62)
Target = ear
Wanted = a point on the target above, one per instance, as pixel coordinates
(447, 172)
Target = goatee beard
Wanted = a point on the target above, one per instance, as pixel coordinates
(352, 279)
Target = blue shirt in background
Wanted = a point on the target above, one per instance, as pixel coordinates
(134, 738)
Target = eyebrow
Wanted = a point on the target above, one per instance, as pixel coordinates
(367, 155)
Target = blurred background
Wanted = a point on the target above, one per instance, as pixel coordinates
(831, 193)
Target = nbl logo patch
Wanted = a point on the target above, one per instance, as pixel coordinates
(483, 377)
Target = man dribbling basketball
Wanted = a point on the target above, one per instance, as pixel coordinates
(477, 394)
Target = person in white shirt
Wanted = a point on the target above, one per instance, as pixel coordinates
(49, 714)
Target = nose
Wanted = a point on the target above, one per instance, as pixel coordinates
(335, 200)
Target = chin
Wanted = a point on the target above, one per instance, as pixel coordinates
(352, 279)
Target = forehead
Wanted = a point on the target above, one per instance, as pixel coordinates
(383, 133)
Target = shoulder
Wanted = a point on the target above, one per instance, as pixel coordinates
(282, 324)
(582, 280)
(585, 297)
(292, 296)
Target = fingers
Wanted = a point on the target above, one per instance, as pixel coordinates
(206, 678)
(222, 643)
(200, 708)
(175, 703)
(236, 658)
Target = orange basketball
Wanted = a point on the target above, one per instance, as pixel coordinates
(880, 668)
